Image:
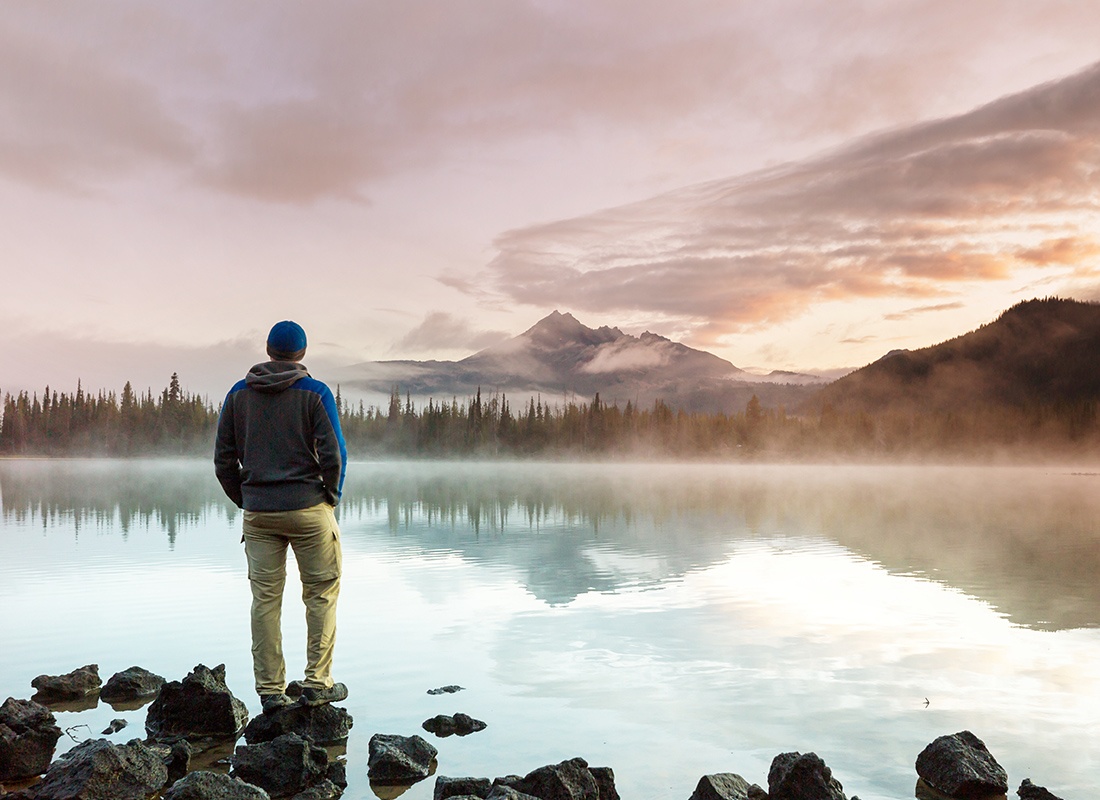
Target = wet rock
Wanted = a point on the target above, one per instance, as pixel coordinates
(502, 791)
(569, 780)
(325, 790)
(75, 685)
(798, 776)
(175, 755)
(458, 725)
(723, 786)
(115, 726)
(199, 706)
(99, 770)
(399, 759)
(449, 689)
(1029, 791)
(325, 725)
(206, 785)
(455, 787)
(28, 737)
(961, 766)
(131, 685)
(283, 767)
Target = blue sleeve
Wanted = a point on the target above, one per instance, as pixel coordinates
(331, 448)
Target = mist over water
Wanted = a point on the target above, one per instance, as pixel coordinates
(666, 620)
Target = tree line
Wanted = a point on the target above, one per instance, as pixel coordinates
(488, 426)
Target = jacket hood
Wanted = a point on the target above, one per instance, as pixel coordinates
(275, 376)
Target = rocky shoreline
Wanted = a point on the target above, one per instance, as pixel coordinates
(285, 757)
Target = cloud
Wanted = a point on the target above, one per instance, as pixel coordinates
(911, 312)
(906, 214)
(443, 331)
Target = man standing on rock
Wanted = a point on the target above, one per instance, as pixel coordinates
(280, 456)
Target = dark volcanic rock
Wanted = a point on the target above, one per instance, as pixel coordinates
(1029, 791)
(131, 684)
(325, 790)
(399, 759)
(605, 782)
(283, 767)
(960, 765)
(502, 791)
(325, 725)
(115, 726)
(721, 786)
(454, 787)
(797, 776)
(459, 725)
(73, 686)
(569, 780)
(28, 737)
(449, 689)
(99, 770)
(199, 706)
(206, 785)
(175, 755)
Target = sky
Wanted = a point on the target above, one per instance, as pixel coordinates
(789, 185)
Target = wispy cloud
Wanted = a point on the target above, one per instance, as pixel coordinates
(442, 331)
(911, 312)
(914, 213)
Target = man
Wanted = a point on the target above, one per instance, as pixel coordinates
(280, 456)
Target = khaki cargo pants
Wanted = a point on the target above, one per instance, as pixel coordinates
(315, 537)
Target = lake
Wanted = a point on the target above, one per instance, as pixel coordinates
(667, 621)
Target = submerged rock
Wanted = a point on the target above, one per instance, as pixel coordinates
(282, 767)
(961, 766)
(456, 787)
(131, 685)
(28, 738)
(399, 759)
(73, 686)
(99, 770)
(114, 726)
(724, 786)
(798, 776)
(1029, 791)
(199, 706)
(458, 725)
(206, 785)
(325, 724)
(449, 689)
(569, 780)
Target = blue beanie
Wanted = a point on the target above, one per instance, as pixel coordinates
(287, 341)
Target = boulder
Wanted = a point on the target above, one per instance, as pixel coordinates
(454, 787)
(75, 685)
(206, 785)
(28, 737)
(99, 770)
(114, 726)
(199, 706)
(503, 791)
(131, 685)
(605, 782)
(283, 767)
(397, 759)
(961, 766)
(722, 786)
(569, 780)
(175, 755)
(460, 724)
(1029, 791)
(325, 790)
(325, 724)
(798, 776)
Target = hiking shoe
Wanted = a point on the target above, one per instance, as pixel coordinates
(273, 702)
(294, 689)
(315, 696)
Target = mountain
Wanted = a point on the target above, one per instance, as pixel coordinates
(1039, 352)
(561, 358)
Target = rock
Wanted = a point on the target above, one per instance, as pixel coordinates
(721, 786)
(1029, 791)
(99, 770)
(325, 725)
(283, 767)
(73, 686)
(569, 780)
(399, 759)
(130, 685)
(206, 785)
(453, 787)
(450, 689)
(605, 782)
(325, 790)
(28, 737)
(961, 766)
(460, 724)
(797, 776)
(200, 705)
(175, 755)
(115, 726)
(502, 791)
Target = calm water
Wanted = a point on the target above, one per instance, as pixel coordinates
(667, 621)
